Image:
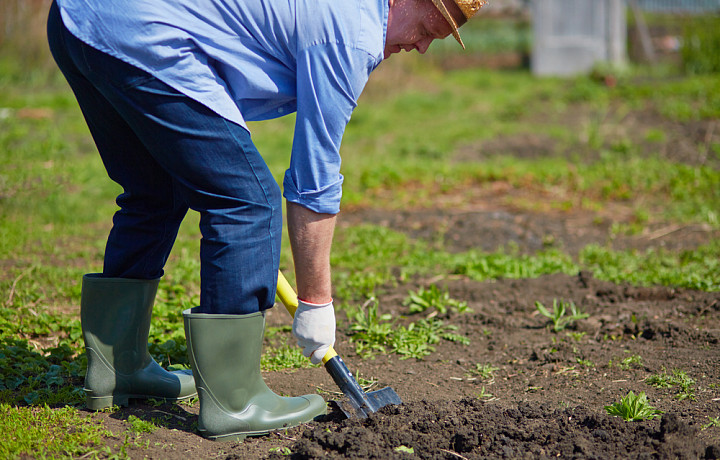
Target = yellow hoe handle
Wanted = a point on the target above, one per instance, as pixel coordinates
(289, 299)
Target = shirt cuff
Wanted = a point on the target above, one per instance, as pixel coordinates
(324, 201)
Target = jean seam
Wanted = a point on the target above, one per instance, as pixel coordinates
(265, 193)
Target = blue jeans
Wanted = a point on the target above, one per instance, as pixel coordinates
(170, 154)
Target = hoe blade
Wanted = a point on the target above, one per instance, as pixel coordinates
(358, 403)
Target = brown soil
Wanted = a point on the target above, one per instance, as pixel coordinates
(544, 402)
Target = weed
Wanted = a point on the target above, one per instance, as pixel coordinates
(698, 269)
(138, 425)
(678, 378)
(433, 298)
(34, 378)
(585, 362)
(484, 371)
(575, 335)
(284, 357)
(634, 361)
(558, 316)
(484, 395)
(660, 380)
(281, 450)
(372, 334)
(712, 422)
(416, 340)
(633, 408)
(189, 402)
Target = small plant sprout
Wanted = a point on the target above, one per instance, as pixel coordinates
(678, 378)
(712, 422)
(486, 396)
(633, 361)
(433, 298)
(484, 371)
(281, 450)
(684, 383)
(405, 450)
(633, 408)
(559, 316)
(576, 336)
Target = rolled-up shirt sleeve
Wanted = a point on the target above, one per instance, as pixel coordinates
(330, 78)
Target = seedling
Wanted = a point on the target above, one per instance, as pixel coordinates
(712, 422)
(485, 395)
(576, 336)
(281, 450)
(633, 408)
(558, 316)
(405, 450)
(433, 299)
(484, 371)
(633, 361)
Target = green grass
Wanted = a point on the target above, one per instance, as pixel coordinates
(41, 432)
(138, 425)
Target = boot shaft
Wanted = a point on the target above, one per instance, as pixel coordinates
(115, 315)
(225, 350)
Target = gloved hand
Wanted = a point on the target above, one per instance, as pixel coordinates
(314, 329)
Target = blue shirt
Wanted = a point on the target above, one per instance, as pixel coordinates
(251, 60)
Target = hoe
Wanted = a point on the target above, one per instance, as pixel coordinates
(358, 403)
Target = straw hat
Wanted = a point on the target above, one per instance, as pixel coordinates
(468, 7)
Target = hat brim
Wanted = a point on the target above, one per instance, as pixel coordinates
(446, 14)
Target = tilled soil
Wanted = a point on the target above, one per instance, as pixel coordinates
(548, 392)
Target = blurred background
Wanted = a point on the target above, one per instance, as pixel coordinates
(680, 34)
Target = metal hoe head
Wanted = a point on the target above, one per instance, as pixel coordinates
(358, 403)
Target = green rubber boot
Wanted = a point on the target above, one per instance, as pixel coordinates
(224, 353)
(115, 316)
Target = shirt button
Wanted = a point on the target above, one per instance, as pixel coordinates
(281, 110)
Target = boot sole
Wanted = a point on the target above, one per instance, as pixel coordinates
(240, 437)
(103, 402)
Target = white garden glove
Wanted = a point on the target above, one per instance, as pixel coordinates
(314, 329)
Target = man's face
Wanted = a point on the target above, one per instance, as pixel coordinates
(413, 25)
